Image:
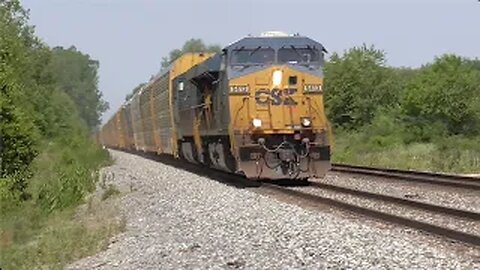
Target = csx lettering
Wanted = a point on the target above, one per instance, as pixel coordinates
(275, 97)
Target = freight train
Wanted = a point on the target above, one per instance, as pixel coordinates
(255, 109)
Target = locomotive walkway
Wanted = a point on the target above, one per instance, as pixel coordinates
(177, 219)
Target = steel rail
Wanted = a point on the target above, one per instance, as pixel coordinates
(391, 218)
(451, 180)
(401, 201)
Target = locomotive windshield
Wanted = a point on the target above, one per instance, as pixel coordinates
(295, 55)
(253, 56)
(268, 56)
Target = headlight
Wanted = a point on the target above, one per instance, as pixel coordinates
(312, 88)
(257, 122)
(277, 78)
(239, 89)
(306, 122)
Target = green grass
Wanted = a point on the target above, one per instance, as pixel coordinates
(450, 154)
(388, 142)
(55, 226)
(30, 240)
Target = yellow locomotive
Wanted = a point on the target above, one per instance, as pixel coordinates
(255, 109)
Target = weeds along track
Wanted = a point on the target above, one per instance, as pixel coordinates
(451, 180)
(456, 224)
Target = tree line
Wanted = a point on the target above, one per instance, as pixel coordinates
(49, 105)
(441, 98)
(417, 118)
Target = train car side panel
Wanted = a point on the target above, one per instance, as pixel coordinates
(163, 125)
(147, 127)
(130, 145)
(137, 123)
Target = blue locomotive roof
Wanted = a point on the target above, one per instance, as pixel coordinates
(275, 42)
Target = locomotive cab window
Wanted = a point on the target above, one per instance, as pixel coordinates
(294, 55)
(258, 55)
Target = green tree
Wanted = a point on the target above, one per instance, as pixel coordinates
(444, 98)
(41, 95)
(357, 84)
(475, 63)
(77, 75)
(18, 133)
(47, 160)
(18, 145)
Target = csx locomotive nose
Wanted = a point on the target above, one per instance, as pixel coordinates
(283, 122)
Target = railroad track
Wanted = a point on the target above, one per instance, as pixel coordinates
(451, 180)
(297, 195)
(451, 213)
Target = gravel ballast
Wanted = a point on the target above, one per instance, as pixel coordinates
(180, 220)
(446, 221)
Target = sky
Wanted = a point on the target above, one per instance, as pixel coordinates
(130, 37)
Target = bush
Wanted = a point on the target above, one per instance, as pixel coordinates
(444, 99)
(9, 194)
(18, 141)
(388, 142)
(357, 84)
(66, 172)
(63, 173)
